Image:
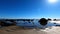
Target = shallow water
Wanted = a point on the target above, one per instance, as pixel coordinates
(36, 24)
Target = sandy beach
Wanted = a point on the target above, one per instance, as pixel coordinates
(19, 30)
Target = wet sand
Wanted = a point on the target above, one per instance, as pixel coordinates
(19, 30)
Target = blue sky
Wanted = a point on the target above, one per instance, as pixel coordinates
(29, 9)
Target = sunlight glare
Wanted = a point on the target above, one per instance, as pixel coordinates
(52, 1)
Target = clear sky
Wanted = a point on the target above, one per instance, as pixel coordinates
(29, 9)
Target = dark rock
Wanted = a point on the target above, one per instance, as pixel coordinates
(43, 21)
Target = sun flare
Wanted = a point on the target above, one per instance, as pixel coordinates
(52, 1)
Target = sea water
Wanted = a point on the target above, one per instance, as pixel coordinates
(34, 24)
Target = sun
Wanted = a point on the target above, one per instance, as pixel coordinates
(52, 1)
